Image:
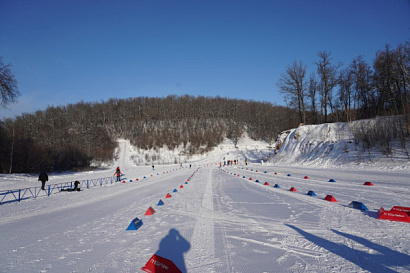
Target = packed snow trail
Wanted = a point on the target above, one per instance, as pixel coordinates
(322, 230)
(228, 224)
(253, 227)
(79, 229)
(202, 253)
(215, 221)
(391, 188)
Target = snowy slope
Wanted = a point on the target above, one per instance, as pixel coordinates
(220, 221)
(333, 145)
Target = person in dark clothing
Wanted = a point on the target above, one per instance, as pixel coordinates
(76, 183)
(43, 177)
(76, 188)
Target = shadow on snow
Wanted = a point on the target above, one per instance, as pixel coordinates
(377, 262)
(172, 247)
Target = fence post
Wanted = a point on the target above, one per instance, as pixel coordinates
(19, 195)
(88, 186)
(48, 190)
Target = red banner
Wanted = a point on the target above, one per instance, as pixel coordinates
(157, 264)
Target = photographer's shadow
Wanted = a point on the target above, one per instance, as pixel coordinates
(172, 247)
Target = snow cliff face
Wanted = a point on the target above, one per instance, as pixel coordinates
(331, 144)
(321, 144)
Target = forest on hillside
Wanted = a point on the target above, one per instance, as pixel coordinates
(70, 137)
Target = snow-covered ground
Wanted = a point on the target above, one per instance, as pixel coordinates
(220, 220)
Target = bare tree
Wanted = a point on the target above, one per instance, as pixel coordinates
(8, 84)
(362, 87)
(391, 79)
(345, 93)
(292, 85)
(403, 66)
(328, 79)
(312, 92)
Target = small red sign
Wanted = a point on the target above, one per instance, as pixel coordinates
(157, 264)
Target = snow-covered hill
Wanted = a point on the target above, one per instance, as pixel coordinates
(218, 219)
(333, 144)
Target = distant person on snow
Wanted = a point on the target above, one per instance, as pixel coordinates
(76, 183)
(76, 188)
(43, 177)
(118, 174)
(153, 168)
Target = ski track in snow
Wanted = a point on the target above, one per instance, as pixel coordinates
(201, 257)
(217, 221)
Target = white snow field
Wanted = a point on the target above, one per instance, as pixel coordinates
(220, 221)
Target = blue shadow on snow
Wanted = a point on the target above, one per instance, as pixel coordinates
(172, 247)
(373, 262)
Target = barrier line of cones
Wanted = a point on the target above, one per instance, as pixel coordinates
(137, 223)
(397, 213)
(367, 183)
(329, 198)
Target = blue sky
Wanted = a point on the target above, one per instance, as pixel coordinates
(66, 51)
